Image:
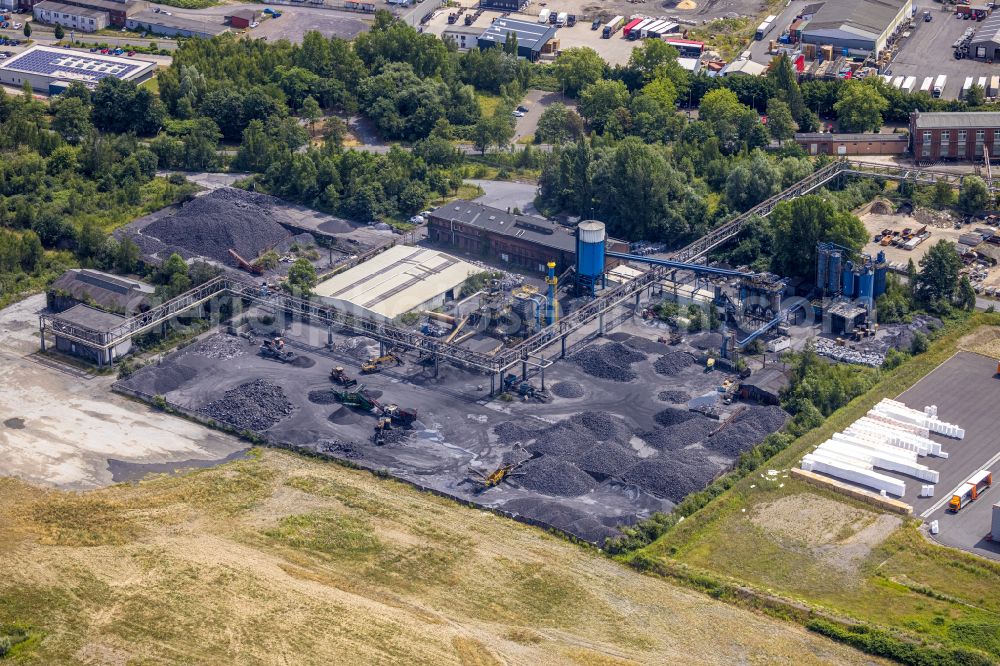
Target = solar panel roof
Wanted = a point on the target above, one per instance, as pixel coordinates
(72, 65)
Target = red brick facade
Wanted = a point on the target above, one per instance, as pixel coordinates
(967, 139)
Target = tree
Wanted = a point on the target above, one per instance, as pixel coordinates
(496, 130)
(654, 59)
(600, 100)
(27, 29)
(784, 79)
(966, 296)
(780, 124)
(975, 96)
(510, 44)
(127, 256)
(859, 107)
(121, 106)
(974, 195)
(751, 181)
(58, 32)
(302, 276)
(311, 112)
(944, 195)
(559, 124)
(734, 124)
(938, 277)
(796, 227)
(577, 67)
(71, 118)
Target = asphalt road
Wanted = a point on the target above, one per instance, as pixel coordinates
(536, 101)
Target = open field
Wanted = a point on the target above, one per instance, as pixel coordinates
(854, 560)
(279, 559)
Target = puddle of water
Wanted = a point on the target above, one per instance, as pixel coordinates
(122, 471)
(15, 423)
(641, 448)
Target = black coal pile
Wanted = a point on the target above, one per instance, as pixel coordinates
(671, 364)
(675, 396)
(603, 425)
(552, 476)
(302, 362)
(607, 458)
(683, 434)
(223, 347)
(611, 361)
(322, 397)
(256, 405)
(225, 219)
(671, 416)
(563, 440)
(673, 475)
(394, 436)
(170, 376)
(706, 341)
(567, 518)
(567, 389)
(339, 448)
(747, 430)
(510, 432)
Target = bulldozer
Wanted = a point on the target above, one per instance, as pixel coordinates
(392, 416)
(373, 365)
(275, 348)
(339, 376)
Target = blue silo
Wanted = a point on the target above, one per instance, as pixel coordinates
(881, 270)
(836, 259)
(866, 285)
(848, 288)
(590, 241)
(822, 264)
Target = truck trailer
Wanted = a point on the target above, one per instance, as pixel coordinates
(765, 27)
(612, 26)
(970, 490)
(561, 19)
(927, 84)
(939, 83)
(632, 28)
(543, 16)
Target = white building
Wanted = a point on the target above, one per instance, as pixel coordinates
(82, 19)
(51, 70)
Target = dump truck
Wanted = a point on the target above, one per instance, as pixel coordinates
(275, 348)
(339, 375)
(970, 490)
(373, 365)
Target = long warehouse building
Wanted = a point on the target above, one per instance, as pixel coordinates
(397, 281)
(857, 25)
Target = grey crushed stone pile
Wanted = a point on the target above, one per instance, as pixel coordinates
(747, 430)
(553, 476)
(675, 396)
(671, 416)
(510, 432)
(705, 341)
(672, 363)
(322, 397)
(567, 389)
(607, 458)
(683, 434)
(672, 475)
(603, 425)
(256, 405)
(222, 347)
(227, 218)
(610, 361)
(170, 376)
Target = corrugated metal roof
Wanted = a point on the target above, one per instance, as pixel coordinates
(396, 281)
(860, 18)
(109, 291)
(988, 32)
(830, 136)
(532, 229)
(962, 119)
(88, 317)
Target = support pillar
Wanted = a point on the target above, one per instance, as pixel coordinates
(600, 324)
(563, 341)
(542, 373)
(41, 328)
(381, 348)
(329, 336)
(493, 384)
(524, 370)
(437, 364)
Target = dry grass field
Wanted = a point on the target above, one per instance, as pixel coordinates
(280, 559)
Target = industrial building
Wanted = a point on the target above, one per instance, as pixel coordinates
(109, 292)
(64, 324)
(985, 44)
(84, 19)
(520, 240)
(467, 36)
(173, 26)
(827, 143)
(765, 386)
(958, 135)
(51, 70)
(397, 281)
(533, 39)
(865, 26)
(242, 18)
(116, 11)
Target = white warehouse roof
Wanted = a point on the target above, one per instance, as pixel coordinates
(396, 281)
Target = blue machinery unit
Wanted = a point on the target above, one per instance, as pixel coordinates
(863, 279)
(590, 251)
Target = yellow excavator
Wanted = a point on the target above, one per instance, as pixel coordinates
(375, 364)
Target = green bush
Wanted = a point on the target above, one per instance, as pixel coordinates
(883, 644)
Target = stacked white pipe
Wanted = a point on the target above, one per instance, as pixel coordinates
(897, 434)
(925, 419)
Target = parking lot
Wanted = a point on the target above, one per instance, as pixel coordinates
(928, 52)
(965, 389)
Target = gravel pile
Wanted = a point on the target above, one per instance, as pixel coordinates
(302, 362)
(552, 476)
(563, 439)
(394, 436)
(672, 475)
(226, 218)
(170, 376)
(603, 425)
(567, 389)
(322, 397)
(510, 432)
(256, 405)
(747, 430)
(674, 396)
(671, 364)
(683, 434)
(607, 458)
(671, 416)
(706, 341)
(610, 361)
(222, 347)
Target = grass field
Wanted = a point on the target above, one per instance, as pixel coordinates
(281, 559)
(789, 538)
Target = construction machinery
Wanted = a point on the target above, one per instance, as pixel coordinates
(339, 376)
(244, 264)
(375, 364)
(970, 490)
(525, 389)
(497, 476)
(360, 399)
(275, 348)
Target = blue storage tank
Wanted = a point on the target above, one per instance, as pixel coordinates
(822, 263)
(866, 284)
(836, 260)
(590, 242)
(847, 285)
(881, 271)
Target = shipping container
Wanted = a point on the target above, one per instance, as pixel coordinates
(994, 86)
(897, 82)
(665, 29)
(646, 31)
(971, 490)
(983, 83)
(966, 86)
(995, 524)
(763, 29)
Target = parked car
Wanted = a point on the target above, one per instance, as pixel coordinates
(17, 26)
(517, 114)
(927, 17)
(131, 53)
(522, 108)
(596, 24)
